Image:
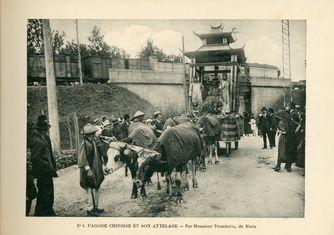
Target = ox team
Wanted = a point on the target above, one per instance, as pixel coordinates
(143, 146)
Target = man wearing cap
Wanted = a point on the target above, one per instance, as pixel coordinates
(157, 122)
(264, 126)
(43, 167)
(139, 133)
(91, 164)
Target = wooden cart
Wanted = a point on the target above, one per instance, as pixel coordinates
(230, 132)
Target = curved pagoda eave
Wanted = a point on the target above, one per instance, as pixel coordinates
(228, 35)
(237, 51)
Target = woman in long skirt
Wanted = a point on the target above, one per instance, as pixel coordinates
(287, 142)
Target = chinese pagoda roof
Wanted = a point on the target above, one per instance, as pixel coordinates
(217, 31)
(216, 49)
(227, 35)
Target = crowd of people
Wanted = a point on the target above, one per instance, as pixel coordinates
(288, 124)
(92, 158)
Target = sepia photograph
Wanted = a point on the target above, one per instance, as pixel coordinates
(166, 118)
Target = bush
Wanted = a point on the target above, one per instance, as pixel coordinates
(65, 159)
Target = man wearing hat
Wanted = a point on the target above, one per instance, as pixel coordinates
(264, 125)
(99, 125)
(293, 113)
(111, 129)
(116, 128)
(157, 122)
(43, 167)
(139, 133)
(91, 164)
(273, 123)
(106, 129)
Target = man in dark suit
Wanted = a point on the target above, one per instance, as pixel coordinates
(43, 167)
(272, 127)
(264, 126)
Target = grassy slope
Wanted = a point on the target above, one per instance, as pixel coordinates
(88, 101)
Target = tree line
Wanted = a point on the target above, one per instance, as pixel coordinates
(97, 45)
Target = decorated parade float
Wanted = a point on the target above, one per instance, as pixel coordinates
(215, 70)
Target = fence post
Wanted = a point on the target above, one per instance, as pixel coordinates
(69, 132)
(76, 133)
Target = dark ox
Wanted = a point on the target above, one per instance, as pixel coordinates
(210, 127)
(170, 122)
(176, 147)
(120, 154)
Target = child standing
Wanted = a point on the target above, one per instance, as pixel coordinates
(252, 123)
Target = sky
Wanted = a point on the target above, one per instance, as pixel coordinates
(262, 38)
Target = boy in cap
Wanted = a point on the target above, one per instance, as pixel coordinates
(91, 165)
(43, 167)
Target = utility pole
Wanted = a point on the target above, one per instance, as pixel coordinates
(184, 81)
(79, 54)
(51, 87)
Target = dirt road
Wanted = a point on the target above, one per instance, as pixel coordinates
(243, 185)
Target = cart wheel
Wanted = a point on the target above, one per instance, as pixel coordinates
(228, 149)
(236, 145)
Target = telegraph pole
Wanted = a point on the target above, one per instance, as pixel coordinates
(184, 81)
(79, 54)
(51, 87)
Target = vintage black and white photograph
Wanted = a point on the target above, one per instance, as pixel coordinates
(166, 118)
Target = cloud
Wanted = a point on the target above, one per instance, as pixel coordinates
(170, 41)
(263, 50)
(134, 37)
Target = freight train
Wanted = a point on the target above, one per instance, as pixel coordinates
(94, 69)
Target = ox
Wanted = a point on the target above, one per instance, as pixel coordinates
(121, 154)
(170, 122)
(176, 147)
(210, 132)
